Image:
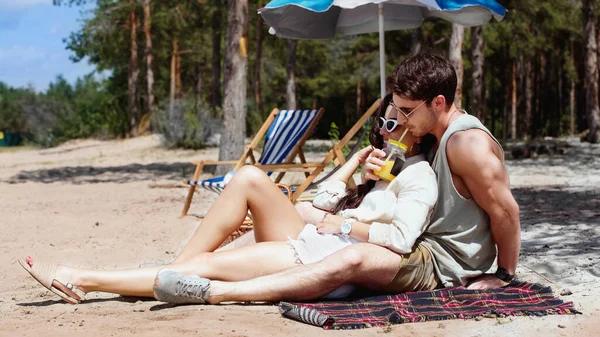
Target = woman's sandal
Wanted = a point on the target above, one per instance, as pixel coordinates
(44, 273)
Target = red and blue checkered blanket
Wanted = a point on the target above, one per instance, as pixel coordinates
(516, 299)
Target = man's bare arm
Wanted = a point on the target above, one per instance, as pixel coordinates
(471, 155)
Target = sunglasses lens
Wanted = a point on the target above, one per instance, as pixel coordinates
(390, 126)
(381, 123)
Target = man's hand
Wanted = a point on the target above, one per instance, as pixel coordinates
(486, 281)
(331, 224)
(373, 163)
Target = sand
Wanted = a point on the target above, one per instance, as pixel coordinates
(116, 204)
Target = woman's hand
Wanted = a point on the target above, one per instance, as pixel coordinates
(373, 163)
(330, 224)
(362, 155)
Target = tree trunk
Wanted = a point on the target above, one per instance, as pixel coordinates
(416, 41)
(572, 102)
(360, 97)
(478, 60)
(493, 104)
(178, 83)
(197, 89)
(591, 71)
(455, 53)
(133, 72)
(236, 66)
(291, 74)
(528, 98)
(258, 60)
(173, 76)
(148, 54)
(215, 95)
(536, 111)
(513, 110)
(506, 107)
(557, 120)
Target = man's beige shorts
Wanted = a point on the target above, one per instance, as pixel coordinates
(416, 273)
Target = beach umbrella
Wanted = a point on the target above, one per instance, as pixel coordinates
(323, 19)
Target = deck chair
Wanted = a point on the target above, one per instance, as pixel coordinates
(312, 170)
(335, 156)
(305, 192)
(284, 131)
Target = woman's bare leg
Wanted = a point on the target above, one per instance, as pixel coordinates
(307, 211)
(234, 265)
(274, 217)
(244, 240)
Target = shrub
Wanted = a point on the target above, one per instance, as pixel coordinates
(186, 123)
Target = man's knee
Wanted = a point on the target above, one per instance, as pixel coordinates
(344, 261)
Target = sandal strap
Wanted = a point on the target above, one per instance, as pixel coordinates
(45, 273)
(79, 292)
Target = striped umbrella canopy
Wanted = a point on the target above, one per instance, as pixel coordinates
(323, 19)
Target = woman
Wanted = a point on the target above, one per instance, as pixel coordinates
(275, 220)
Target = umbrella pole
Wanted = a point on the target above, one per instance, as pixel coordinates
(381, 52)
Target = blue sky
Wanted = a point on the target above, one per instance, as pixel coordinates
(31, 46)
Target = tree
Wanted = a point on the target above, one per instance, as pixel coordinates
(148, 54)
(291, 75)
(478, 61)
(258, 60)
(591, 71)
(133, 71)
(416, 43)
(455, 56)
(216, 25)
(236, 64)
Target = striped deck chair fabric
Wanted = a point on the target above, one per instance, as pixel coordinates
(284, 133)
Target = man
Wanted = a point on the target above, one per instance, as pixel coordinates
(475, 220)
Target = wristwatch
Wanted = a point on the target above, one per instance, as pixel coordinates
(346, 226)
(504, 275)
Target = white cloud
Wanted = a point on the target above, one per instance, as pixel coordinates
(18, 5)
(17, 54)
(56, 27)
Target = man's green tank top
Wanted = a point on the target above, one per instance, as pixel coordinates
(459, 235)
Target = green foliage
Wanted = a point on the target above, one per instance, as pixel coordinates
(62, 113)
(329, 73)
(186, 123)
(334, 136)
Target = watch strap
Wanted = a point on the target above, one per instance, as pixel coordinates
(504, 275)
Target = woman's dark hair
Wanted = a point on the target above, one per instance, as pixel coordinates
(355, 196)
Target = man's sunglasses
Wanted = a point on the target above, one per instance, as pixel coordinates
(388, 124)
(402, 113)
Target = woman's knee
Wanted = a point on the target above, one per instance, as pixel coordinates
(250, 175)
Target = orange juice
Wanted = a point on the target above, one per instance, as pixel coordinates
(394, 161)
(386, 171)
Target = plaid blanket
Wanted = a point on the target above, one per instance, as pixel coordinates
(518, 298)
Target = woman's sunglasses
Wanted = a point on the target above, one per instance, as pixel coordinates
(388, 124)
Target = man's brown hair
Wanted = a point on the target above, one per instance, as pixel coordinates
(423, 77)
